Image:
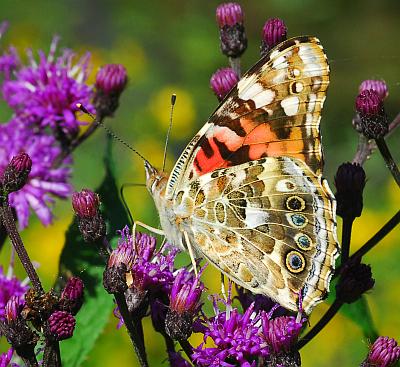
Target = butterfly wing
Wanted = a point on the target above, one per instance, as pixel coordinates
(274, 110)
(269, 225)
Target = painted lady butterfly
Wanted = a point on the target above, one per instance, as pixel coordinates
(247, 193)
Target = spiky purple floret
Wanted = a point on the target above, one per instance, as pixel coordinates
(5, 358)
(186, 292)
(384, 352)
(280, 333)
(45, 92)
(44, 182)
(9, 286)
(236, 337)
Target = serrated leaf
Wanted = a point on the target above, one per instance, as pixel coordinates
(359, 313)
(81, 259)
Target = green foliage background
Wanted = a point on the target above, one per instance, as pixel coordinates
(172, 46)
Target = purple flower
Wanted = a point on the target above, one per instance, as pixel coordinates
(13, 308)
(72, 295)
(45, 92)
(369, 103)
(384, 353)
(229, 14)
(85, 203)
(236, 338)
(280, 333)
(5, 358)
(62, 325)
(44, 180)
(111, 78)
(222, 81)
(9, 286)
(9, 61)
(379, 86)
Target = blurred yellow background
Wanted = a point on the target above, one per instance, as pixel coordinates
(172, 47)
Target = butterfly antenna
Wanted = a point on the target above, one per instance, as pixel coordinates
(121, 191)
(173, 100)
(109, 132)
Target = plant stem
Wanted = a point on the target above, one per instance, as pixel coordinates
(187, 348)
(333, 309)
(346, 237)
(387, 156)
(52, 357)
(235, 65)
(137, 341)
(16, 240)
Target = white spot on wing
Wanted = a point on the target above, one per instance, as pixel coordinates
(255, 217)
(290, 105)
(264, 98)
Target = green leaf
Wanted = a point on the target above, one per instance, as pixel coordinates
(359, 313)
(82, 259)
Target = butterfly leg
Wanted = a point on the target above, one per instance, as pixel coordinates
(223, 287)
(189, 246)
(149, 228)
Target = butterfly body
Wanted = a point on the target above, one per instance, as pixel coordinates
(247, 193)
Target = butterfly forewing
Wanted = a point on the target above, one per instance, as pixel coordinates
(274, 111)
(269, 225)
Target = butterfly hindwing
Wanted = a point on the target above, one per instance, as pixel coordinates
(267, 224)
(274, 110)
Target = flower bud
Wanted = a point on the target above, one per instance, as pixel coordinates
(72, 296)
(383, 353)
(16, 173)
(349, 182)
(85, 203)
(110, 82)
(378, 86)
(373, 119)
(222, 81)
(232, 35)
(61, 325)
(355, 279)
(13, 308)
(274, 32)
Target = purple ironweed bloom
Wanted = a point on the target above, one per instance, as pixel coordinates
(222, 81)
(5, 358)
(44, 180)
(9, 286)
(236, 338)
(13, 308)
(274, 32)
(231, 30)
(379, 86)
(85, 203)
(373, 120)
(72, 295)
(16, 172)
(280, 333)
(383, 353)
(9, 61)
(184, 304)
(176, 360)
(62, 325)
(45, 92)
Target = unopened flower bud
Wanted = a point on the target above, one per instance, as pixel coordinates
(383, 353)
(85, 203)
(349, 182)
(61, 325)
(379, 86)
(232, 34)
(72, 296)
(274, 32)
(374, 122)
(16, 173)
(179, 326)
(355, 279)
(110, 82)
(13, 308)
(222, 81)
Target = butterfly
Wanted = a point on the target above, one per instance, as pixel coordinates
(247, 193)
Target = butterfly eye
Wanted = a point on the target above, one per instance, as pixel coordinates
(303, 241)
(295, 262)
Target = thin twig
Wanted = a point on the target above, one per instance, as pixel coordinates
(187, 348)
(16, 240)
(234, 62)
(387, 156)
(346, 237)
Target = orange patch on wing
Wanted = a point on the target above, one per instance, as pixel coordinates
(207, 164)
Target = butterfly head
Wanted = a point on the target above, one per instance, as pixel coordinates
(156, 180)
